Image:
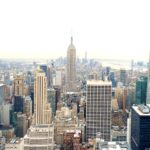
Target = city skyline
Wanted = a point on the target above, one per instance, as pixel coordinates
(105, 29)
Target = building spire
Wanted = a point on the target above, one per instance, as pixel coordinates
(71, 40)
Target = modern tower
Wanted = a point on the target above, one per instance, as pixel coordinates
(140, 128)
(141, 90)
(148, 84)
(98, 109)
(71, 67)
(42, 110)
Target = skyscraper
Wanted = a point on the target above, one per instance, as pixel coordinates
(19, 93)
(19, 85)
(42, 110)
(141, 90)
(71, 67)
(98, 109)
(148, 84)
(40, 136)
(123, 76)
(140, 128)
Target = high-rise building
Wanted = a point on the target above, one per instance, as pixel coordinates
(140, 128)
(123, 76)
(98, 109)
(19, 93)
(71, 67)
(27, 109)
(5, 114)
(51, 96)
(18, 103)
(141, 90)
(2, 93)
(42, 110)
(19, 85)
(111, 77)
(40, 135)
(22, 124)
(148, 84)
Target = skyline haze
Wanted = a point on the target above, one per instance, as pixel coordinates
(105, 29)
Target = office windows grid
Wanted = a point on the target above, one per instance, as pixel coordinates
(98, 110)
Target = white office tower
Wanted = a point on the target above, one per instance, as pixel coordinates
(39, 137)
(42, 109)
(71, 67)
(148, 84)
(98, 109)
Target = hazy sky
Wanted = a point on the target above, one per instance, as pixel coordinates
(104, 28)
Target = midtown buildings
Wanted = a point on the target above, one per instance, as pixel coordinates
(98, 109)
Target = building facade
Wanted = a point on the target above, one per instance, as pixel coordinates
(98, 109)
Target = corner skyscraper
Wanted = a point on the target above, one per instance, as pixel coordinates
(148, 83)
(71, 67)
(98, 109)
(42, 108)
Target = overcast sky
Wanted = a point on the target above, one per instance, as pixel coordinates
(109, 29)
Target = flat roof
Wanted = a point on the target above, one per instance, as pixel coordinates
(98, 82)
(136, 108)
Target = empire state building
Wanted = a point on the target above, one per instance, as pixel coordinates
(71, 68)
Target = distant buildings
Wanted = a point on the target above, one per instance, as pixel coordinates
(98, 109)
(71, 67)
(123, 76)
(140, 128)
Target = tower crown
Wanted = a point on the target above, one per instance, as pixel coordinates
(71, 46)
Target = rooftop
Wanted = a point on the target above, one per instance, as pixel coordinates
(114, 146)
(98, 82)
(15, 141)
(142, 110)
